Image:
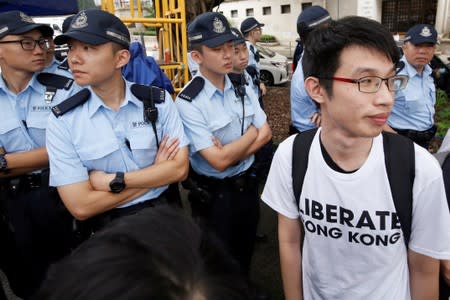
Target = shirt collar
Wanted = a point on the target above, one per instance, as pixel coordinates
(411, 71)
(209, 89)
(95, 103)
(33, 84)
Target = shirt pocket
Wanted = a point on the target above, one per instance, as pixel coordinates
(8, 125)
(143, 147)
(413, 103)
(96, 154)
(220, 128)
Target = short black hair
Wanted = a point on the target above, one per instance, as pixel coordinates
(325, 44)
(158, 253)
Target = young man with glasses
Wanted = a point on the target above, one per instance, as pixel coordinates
(40, 227)
(343, 239)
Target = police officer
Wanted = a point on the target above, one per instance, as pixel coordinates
(225, 128)
(413, 112)
(305, 113)
(114, 146)
(252, 31)
(41, 227)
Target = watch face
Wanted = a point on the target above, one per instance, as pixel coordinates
(117, 184)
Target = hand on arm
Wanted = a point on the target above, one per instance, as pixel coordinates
(289, 237)
(221, 156)
(171, 165)
(263, 137)
(423, 276)
(263, 89)
(316, 118)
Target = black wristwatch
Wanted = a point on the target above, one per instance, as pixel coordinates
(118, 183)
(3, 163)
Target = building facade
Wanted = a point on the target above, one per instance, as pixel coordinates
(280, 16)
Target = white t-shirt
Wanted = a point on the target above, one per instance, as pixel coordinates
(354, 246)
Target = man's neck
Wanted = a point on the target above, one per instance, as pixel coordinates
(218, 80)
(112, 92)
(15, 80)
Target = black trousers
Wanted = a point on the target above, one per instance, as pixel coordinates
(40, 232)
(232, 213)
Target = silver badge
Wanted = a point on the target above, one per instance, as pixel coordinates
(80, 22)
(426, 32)
(25, 18)
(218, 26)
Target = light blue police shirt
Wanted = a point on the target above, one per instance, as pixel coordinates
(302, 105)
(94, 137)
(24, 115)
(218, 113)
(414, 106)
(251, 55)
(251, 84)
(53, 68)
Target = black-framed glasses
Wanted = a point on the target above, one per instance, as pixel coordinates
(29, 43)
(372, 84)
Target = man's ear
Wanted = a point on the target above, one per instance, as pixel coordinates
(123, 57)
(197, 56)
(315, 90)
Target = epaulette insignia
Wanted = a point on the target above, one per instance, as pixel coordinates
(72, 102)
(148, 92)
(192, 89)
(53, 82)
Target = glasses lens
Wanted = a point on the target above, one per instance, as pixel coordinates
(397, 83)
(28, 44)
(369, 84)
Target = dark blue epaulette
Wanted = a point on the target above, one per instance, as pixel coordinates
(72, 102)
(64, 65)
(148, 92)
(53, 82)
(192, 89)
(252, 71)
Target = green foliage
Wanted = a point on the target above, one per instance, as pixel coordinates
(265, 38)
(442, 113)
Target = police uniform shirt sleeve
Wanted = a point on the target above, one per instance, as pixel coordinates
(65, 164)
(430, 234)
(278, 192)
(302, 105)
(251, 55)
(259, 117)
(172, 125)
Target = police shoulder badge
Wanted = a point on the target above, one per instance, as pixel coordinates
(218, 26)
(80, 21)
(25, 18)
(426, 32)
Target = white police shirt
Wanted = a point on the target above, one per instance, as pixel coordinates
(218, 113)
(414, 105)
(24, 115)
(302, 105)
(354, 247)
(94, 137)
(251, 55)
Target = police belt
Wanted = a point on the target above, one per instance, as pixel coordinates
(418, 136)
(27, 182)
(240, 181)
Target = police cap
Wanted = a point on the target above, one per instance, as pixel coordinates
(95, 27)
(249, 24)
(421, 34)
(16, 22)
(210, 29)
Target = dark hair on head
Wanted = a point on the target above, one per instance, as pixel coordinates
(159, 253)
(325, 44)
(196, 47)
